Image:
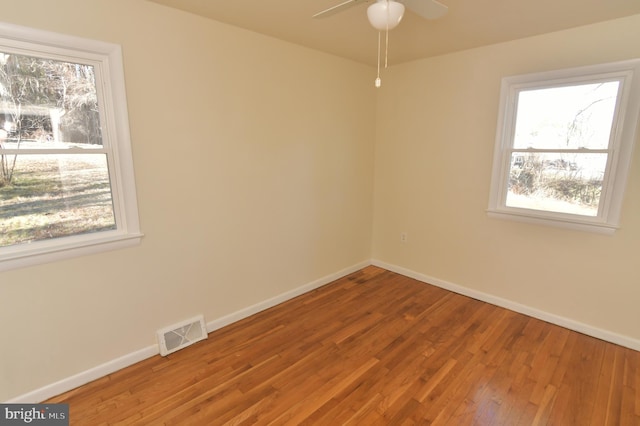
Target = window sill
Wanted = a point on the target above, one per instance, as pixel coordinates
(599, 228)
(50, 251)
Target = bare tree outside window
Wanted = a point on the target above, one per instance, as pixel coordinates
(560, 148)
(54, 178)
(67, 184)
(564, 144)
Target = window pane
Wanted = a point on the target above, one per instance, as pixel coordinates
(48, 104)
(568, 117)
(55, 196)
(563, 183)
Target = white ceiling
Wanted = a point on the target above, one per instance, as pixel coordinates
(468, 24)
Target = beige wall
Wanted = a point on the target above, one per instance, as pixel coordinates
(436, 133)
(254, 169)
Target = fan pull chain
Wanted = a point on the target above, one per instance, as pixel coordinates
(378, 80)
(386, 50)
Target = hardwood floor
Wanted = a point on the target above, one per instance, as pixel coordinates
(375, 348)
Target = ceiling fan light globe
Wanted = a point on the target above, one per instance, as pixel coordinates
(385, 14)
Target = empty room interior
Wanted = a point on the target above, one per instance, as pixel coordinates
(269, 167)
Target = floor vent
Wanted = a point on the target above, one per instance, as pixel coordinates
(181, 335)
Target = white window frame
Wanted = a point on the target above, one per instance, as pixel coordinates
(107, 61)
(621, 144)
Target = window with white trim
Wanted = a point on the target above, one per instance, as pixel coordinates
(564, 144)
(66, 172)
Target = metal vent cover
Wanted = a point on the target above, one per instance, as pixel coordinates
(179, 336)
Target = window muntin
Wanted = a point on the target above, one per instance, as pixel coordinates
(66, 168)
(563, 145)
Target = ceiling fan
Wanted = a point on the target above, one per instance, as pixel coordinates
(428, 9)
(385, 15)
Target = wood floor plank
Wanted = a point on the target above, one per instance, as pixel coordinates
(375, 348)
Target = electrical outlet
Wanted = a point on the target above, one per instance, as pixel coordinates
(403, 237)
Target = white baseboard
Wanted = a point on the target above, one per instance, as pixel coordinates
(247, 312)
(112, 366)
(568, 323)
(85, 377)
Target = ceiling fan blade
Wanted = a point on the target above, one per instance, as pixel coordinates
(338, 8)
(429, 9)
